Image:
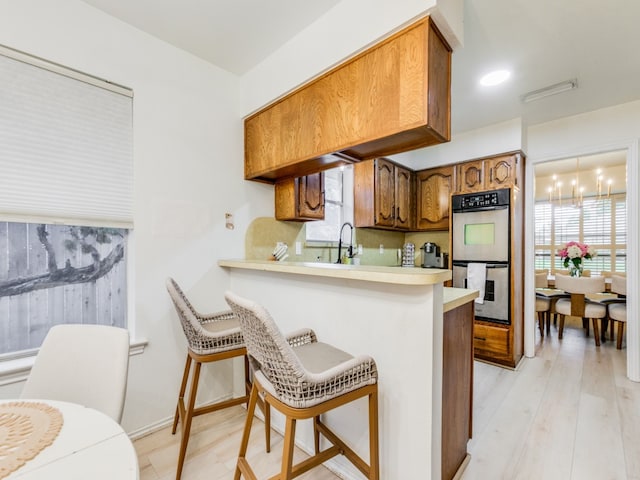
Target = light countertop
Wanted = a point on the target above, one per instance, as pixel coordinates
(454, 297)
(368, 273)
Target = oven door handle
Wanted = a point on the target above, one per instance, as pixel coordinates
(479, 209)
(489, 265)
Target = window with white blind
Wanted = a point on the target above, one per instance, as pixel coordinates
(66, 188)
(600, 223)
(338, 207)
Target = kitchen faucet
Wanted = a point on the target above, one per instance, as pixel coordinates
(350, 249)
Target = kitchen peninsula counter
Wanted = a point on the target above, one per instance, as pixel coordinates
(394, 314)
(369, 273)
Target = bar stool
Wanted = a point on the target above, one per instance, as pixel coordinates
(303, 378)
(210, 338)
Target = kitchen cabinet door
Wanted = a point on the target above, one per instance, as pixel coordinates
(301, 198)
(383, 193)
(457, 387)
(470, 176)
(501, 172)
(434, 188)
(402, 197)
(311, 196)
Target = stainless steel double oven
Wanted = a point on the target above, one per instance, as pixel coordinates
(480, 233)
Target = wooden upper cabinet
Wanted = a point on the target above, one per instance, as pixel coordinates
(470, 176)
(434, 188)
(300, 199)
(502, 171)
(385, 193)
(403, 196)
(382, 195)
(393, 97)
(489, 173)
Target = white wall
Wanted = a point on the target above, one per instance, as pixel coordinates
(498, 138)
(346, 29)
(188, 164)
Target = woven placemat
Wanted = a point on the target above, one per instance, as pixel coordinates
(26, 428)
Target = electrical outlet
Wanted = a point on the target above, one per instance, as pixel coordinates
(298, 248)
(381, 249)
(360, 249)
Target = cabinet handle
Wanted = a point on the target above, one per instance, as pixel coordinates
(491, 175)
(480, 338)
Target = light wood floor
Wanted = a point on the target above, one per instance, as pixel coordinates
(568, 413)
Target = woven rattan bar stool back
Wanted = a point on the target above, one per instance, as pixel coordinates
(303, 378)
(210, 338)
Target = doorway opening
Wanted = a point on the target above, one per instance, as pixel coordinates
(583, 200)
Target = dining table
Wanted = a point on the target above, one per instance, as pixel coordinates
(554, 294)
(46, 439)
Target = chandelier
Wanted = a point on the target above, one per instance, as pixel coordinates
(578, 188)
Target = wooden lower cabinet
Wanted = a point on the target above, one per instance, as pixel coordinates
(491, 341)
(457, 387)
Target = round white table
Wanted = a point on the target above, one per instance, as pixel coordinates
(90, 445)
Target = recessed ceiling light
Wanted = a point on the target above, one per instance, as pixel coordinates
(495, 78)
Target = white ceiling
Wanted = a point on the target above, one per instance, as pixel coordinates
(542, 42)
(232, 34)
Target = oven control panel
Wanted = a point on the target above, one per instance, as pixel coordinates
(481, 200)
(488, 199)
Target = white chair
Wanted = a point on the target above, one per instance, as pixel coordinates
(303, 379)
(83, 364)
(543, 304)
(578, 305)
(617, 310)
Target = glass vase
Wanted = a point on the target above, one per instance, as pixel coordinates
(575, 270)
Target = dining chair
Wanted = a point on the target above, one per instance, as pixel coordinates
(210, 338)
(303, 378)
(578, 305)
(83, 364)
(543, 304)
(617, 309)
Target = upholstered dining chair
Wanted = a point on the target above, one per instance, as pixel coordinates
(578, 305)
(303, 378)
(83, 364)
(617, 309)
(543, 304)
(210, 338)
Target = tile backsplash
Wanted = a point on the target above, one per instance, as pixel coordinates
(265, 232)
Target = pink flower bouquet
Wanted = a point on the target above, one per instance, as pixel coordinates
(573, 254)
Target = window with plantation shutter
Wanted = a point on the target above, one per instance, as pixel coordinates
(600, 222)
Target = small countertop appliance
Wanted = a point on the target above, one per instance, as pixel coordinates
(432, 258)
